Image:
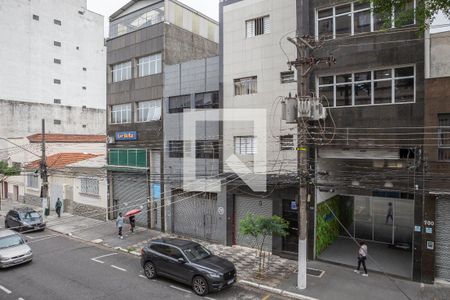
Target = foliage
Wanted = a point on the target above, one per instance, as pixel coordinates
(8, 171)
(327, 225)
(425, 11)
(260, 228)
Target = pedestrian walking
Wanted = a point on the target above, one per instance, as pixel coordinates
(132, 223)
(119, 224)
(362, 256)
(389, 215)
(58, 208)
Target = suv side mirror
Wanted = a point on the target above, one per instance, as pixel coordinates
(181, 260)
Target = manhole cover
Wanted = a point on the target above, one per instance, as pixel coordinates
(314, 272)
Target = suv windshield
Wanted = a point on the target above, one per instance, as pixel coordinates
(11, 241)
(29, 215)
(196, 253)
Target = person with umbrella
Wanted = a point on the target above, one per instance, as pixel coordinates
(131, 215)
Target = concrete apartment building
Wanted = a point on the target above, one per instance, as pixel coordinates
(145, 38)
(255, 75)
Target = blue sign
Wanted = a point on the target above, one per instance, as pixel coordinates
(126, 136)
(417, 228)
(156, 191)
(293, 205)
(429, 230)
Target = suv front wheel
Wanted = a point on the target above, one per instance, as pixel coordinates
(150, 270)
(200, 285)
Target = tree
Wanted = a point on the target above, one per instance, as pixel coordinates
(8, 171)
(424, 13)
(260, 228)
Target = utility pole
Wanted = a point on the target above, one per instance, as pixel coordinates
(44, 175)
(307, 109)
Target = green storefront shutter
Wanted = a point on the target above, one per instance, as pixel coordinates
(141, 158)
(113, 158)
(123, 159)
(132, 158)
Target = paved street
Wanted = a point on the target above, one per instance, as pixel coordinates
(64, 268)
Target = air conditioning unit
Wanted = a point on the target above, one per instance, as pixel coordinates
(110, 140)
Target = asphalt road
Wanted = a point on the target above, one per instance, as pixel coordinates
(63, 268)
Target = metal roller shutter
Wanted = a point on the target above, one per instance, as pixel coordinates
(256, 206)
(130, 191)
(195, 215)
(443, 238)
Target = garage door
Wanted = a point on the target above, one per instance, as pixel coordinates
(130, 191)
(256, 206)
(195, 215)
(443, 238)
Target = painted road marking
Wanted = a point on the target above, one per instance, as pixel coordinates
(40, 236)
(102, 262)
(266, 297)
(116, 267)
(20, 299)
(180, 289)
(142, 276)
(207, 298)
(5, 289)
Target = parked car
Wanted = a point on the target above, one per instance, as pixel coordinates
(13, 249)
(24, 219)
(189, 263)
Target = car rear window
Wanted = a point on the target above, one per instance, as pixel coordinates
(31, 215)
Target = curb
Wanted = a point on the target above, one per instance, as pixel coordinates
(276, 291)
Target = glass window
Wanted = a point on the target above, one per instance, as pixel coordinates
(343, 25)
(327, 95)
(149, 65)
(323, 13)
(383, 74)
(89, 186)
(325, 29)
(196, 253)
(382, 92)
(207, 149)
(361, 21)
(121, 71)
(176, 149)
(363, 93)
(364, 76)
(179, 103)
(245, 145)
(258, 26)
(121, 114)
(344, 95)
(342, 9)
(287, 142)
(404, 90)
(207, 100)
(174, 253)
(343, 78)
(148, 111)
(326, 80)
(287, 77)
(33, 181)
(404, 72)
(245, 86)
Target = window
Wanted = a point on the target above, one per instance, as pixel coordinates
(352, 19)
(57, 61)
(57, 44)
(57, 122)
(121, 71)
(245, 86)
(244, 145)
(149, 65)
(89, 186)
(128, 157)
(176, 149)
(57, 81)
(385, 86)
(258, 26)
(84, 88)
(121, 114)
(33, 181)
(207, 149)
(444, 137)
(287, 142)
(207, 100)
(148, 111)
(84, 69)
(57, 101)
(57, 22)
(179, 103)
(287, 77)
(36, 17)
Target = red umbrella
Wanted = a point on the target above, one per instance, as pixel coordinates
(132, 212)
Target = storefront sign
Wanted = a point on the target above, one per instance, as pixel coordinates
(418, 228)
(293, 205)
(156, 191)
(429, 230)
(126, 136)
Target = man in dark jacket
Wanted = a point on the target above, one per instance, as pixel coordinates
(58, 207)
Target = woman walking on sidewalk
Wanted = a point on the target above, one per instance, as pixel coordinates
(132, 223)
(362, 256)
(119, 224)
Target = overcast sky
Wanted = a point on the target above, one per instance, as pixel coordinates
(108, 7)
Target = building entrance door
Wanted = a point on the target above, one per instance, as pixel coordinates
(290, 214)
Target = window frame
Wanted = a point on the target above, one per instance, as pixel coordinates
(283, 146)
(34, 182)
(140, 110)
(125, 71)
(246, 85)
(238, 140)
(443, 150)
(261, 27)
(178, 153)
(84, 181)
(352, 13)
(112, 111)
(155, 58)
(214, 104)
(372, 81)
(201, 145)
(179, 109)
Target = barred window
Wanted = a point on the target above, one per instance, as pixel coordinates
(33, 181)
(245, 86)
(176, 149)
(245, 145)
(444, 137)
(287, 142)
(258, 26)
(89, 186)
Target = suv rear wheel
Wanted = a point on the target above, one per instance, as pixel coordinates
(6, 224)
(200, 285)
(149, 270)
